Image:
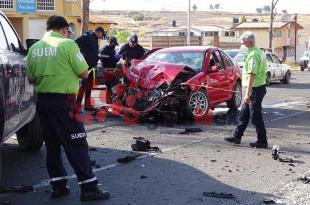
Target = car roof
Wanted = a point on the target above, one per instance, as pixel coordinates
(185, 49)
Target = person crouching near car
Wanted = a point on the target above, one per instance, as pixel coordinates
(254, 78)
(110, 59)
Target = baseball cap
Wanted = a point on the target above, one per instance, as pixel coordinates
(100, 29)
(133, 39)
(113, 40)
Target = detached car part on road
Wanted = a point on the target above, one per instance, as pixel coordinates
(17, 99)
(184, 80)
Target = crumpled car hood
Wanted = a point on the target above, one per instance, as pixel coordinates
(151, 75)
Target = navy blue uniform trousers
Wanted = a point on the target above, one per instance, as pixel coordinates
(62, 129)
(253, 111)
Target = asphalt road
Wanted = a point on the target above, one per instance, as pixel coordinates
(189, 165)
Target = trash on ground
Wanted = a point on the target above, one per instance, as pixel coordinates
(213, 160)
(275, 152)
(293, 164)
(221, 195)
(18, 189)
(305, 180)
(143, 145)
(269, 201)
(286, 160)
(128, 158)
(143, 177)
(191, 130)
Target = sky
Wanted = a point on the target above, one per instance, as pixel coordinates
(299, 6)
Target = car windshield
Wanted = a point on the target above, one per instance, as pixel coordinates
(239, 58)
(193, 60)
(232, 53)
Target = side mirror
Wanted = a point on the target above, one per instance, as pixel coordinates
(215, 69)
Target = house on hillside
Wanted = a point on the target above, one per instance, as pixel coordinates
(218, 36)
(283, 36)
(29, 17)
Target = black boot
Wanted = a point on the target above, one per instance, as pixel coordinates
(95, 195)
(233, 140)
(59, 192)
(259, 145)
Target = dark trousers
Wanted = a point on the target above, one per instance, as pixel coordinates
(62, 129)
(85, 88)
(253, 111)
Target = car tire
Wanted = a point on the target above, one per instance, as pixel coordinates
(30, 137)
(302, 68)
(287, 78)
(236, 100)
(268, 77)
(201, 99)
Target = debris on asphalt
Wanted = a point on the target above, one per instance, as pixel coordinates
(143, 177)
(94, 164)
(191, 130)
(213, 160)
(293, 164)
(275, 152)
(143, 145)
(103, 131)
(93, 149)
(269, 201)
(220, 195)
(128, 158)
(305, 180)
(18, 189)
(286, 160)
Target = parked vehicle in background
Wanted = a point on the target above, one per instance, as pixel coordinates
(304, 62)
(277, 70)
(232, 52)
(17, 99)
(185, 80)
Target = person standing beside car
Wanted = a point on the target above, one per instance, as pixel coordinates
(254, 78)
(89, 46)
(131, 50)
(55, 66)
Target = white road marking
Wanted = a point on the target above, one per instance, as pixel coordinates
(45, 183)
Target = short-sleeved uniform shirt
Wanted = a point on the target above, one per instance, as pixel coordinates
(55, 63)
(255, 63)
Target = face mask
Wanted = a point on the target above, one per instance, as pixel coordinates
(244, 49)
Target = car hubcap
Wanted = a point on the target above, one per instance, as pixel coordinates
(198, 104)
(238, 95)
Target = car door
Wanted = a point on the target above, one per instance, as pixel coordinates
(3, 51)
(12, 77)
(228, 84)
(216, 80)
(278, 66)
(271, 66)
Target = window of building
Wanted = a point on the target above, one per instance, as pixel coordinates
(227, 33)
(6, 4)
(46, 5)
(181, 33)
(208, 33)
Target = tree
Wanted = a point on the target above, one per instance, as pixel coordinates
(194, 8)
(267, 9)
(85, 15)
(284, 11)
(211, 7)
(217, 7)
(259, 10)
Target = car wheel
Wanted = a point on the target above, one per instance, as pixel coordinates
(30, 137)
(197, 105)
(287, 78)
(236, 100)
(268, 77)
(302, 68)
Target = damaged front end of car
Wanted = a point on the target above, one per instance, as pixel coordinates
(153, 89)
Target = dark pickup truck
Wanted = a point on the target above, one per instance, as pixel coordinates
(17, 98)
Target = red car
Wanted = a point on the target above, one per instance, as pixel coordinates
(185, 80)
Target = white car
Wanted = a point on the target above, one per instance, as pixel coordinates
(277, 71)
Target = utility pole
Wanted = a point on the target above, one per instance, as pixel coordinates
(85, 15)
(189, 24)
(272, 15)
(295, 19)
